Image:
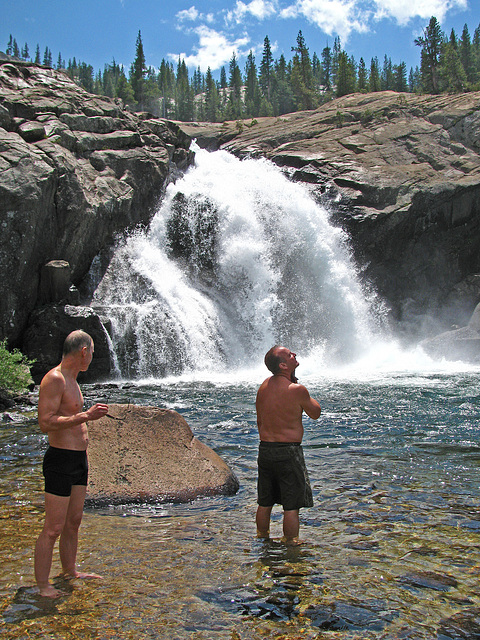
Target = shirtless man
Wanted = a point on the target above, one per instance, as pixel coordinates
(282, 474)
(65, 467)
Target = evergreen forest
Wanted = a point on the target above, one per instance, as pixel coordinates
(272, 87)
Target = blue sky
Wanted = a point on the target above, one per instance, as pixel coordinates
(207, 33)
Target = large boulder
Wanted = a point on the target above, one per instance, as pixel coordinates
(145, 454)
(76, 171)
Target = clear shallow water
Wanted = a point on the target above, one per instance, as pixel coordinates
(393, 541)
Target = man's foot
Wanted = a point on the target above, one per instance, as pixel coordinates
(292, 542)
(82, 575)
(263, 535)
(48, 591)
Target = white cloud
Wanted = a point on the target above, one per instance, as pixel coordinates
(342, 17)
(214, 49)
(402, 11)
(260, 9)
(187, 14)
(339, 17)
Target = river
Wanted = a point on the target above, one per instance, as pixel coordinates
(392, 543)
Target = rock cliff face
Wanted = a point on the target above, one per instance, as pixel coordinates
(75, 170)
(402, 174)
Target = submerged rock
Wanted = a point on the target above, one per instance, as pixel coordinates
(145, 454)
(429, 580)
(464, 625)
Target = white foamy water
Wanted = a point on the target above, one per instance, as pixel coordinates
(236, 259)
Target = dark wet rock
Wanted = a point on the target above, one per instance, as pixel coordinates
(401, 173)
(429, 580)
(362, 545)
(343, 616)
(46, 333)
(464, 625)
(150, 455)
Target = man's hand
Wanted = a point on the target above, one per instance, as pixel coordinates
(97, 411)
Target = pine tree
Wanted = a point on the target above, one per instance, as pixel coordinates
(283, 100)
(9, 50)
(414, 82)
(476, 52)
(362, 76)
(451, 71)
(85, 76)
(124, 90)
(265, 77)
(235, 83)
(15, 50)
(302, 75)
(138, 72)
(211, 98)
(346, 79)
(387, 81)
(184, 100)
(337, 49)
(374, 78)
(252, 89)
(38, 60)
(47, 58)
(431, 43)
(25, 52)
(223, 78)
(400, 77)
(466, 55)
(326, 66)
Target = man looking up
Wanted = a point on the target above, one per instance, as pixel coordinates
(65, 466)
(282, 474)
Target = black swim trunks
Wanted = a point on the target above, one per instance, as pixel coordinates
(282, 476)
(64, 468)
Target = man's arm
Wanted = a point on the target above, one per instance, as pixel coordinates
(308, 404)
(49, 401)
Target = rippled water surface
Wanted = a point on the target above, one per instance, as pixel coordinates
(392, 544)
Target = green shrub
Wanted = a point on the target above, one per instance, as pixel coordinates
(14, 369)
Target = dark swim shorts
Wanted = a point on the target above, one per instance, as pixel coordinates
(64, 468)
(282, 476)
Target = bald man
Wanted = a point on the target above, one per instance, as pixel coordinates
(282, 474)
(65, 467)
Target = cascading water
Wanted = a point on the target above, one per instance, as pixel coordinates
(236, 259)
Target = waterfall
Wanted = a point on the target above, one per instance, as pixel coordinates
(236, 259)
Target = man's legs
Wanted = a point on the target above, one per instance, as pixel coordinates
(69, 538)
(291, 525)
(56, 508)
(263, 522)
